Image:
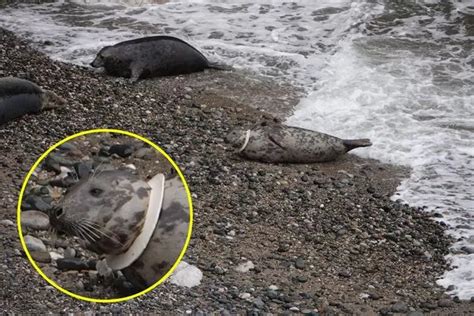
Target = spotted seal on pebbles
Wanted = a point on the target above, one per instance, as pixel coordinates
(280, 143)
(152, 56)
(19, 97)
(141, 227)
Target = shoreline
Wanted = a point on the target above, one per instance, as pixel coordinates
(328, 236)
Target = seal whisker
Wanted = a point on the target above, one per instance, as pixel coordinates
(78, 232)
(91, 232)
(101, 230)
(86, 234)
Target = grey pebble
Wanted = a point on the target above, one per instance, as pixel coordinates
(299, 264)
(6, 222)
(399, 307)
(69, 253)
(35, 220)
(41, 256)
(34, 244)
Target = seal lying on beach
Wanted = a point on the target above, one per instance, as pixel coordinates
(280, 143)
(140, 227)
(19, 97)
(153, 56)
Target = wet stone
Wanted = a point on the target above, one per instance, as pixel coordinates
(299, 264)
(399, 307)
(75, 264)
(34, 244)
(84, 169)
(41, 256)
(6, 222)
(122, 150)
(33, 202)
(283, 247)
(69, 253)
(35, 220)
(445, 303)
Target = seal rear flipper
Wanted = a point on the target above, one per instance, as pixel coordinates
(355, 143)
(219, 66)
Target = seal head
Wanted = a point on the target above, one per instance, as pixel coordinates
(107, 210)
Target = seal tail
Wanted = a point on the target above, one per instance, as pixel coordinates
(219, 66)
(355, 143)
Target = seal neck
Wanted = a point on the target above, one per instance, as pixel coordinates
(246, 142)
(125, 259)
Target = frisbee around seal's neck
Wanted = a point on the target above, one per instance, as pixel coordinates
(125, 259)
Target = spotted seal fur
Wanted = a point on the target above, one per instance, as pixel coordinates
(108, 211)
(19, 97)
(279, 143)
(152, 56)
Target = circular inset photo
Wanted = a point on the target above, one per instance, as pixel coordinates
(105, 215)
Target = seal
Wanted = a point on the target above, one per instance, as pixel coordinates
(279, 143)
(141, 227)
(153, 56)
(19, 97)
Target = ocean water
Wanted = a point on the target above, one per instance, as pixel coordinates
(397, 72)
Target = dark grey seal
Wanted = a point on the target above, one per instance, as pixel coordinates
(19, 97)
(280, 143)
(153, 56)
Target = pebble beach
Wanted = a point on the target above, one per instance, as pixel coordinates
(320, 238)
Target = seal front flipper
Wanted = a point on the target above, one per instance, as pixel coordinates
(136, 72)
(276, 139)
(355, 143)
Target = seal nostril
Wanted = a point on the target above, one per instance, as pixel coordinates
(58, 212)
(96, 192)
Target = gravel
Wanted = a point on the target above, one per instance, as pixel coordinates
(300, 225)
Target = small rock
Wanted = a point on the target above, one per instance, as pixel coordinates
(145, 153)
(344, 274)
(103, 269)
(41, 256)
(35, 220)
(258, 302)
(399, 307)
(299, 264)
(186, 275)
(33, 202)
(374, 296)
(69, 252)
(122, 150)
(6, 222)
(75, 264)
(444, 302)
(34, 244)
(283, 248)
(245, 295)
(55, 256)
(245, 267)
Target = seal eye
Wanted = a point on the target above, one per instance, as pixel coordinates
(96, 192)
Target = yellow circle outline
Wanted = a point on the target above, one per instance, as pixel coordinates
(43, 156)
